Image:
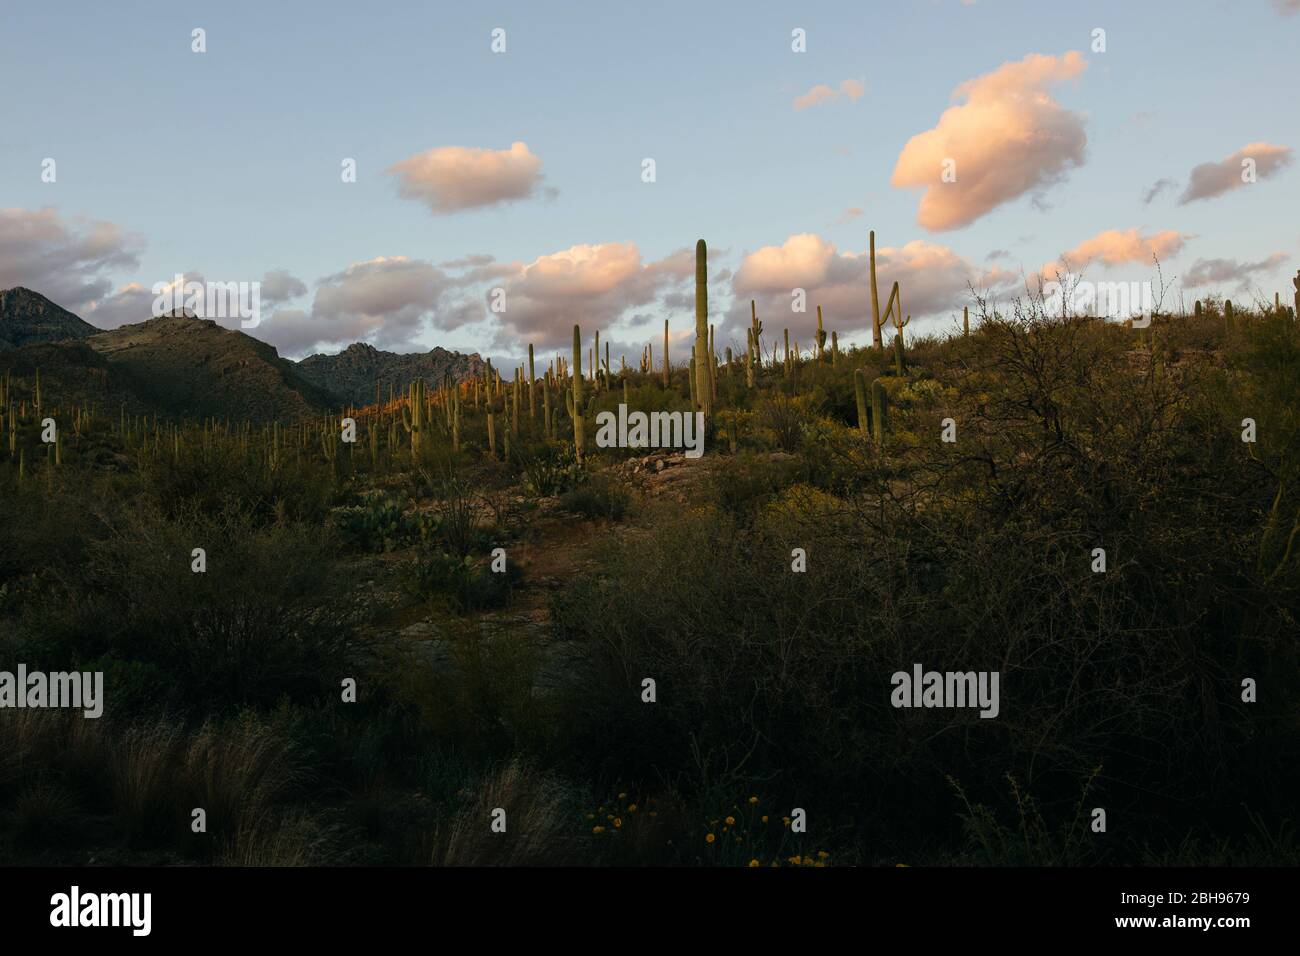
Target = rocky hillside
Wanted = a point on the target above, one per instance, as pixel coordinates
(27, 317)
(352, 375)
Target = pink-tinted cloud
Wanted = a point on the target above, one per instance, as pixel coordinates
(853, 90)
(1117, 247)
(1214, 179)
(452, 178)
(1007, 139)
(590, 285)
(933, 281)
(68, 262)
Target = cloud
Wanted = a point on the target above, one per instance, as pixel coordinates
(1286, 7)
(1009, 138)
(1221, 272)
(453, 178)
(1155, 189)
(279, 286)
(590, 285)
(1214, 179)
(1116, 247)
(821, 93)
(386, 301)
(853, 212)
(67, 262)
(933, 281)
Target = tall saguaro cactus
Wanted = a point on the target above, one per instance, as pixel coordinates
(875, 299)
(879, 409)
(860, 393)
(578, 444)
(703, 370)
(665, 354)
(415, 416)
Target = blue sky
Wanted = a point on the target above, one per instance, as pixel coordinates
(227, 163)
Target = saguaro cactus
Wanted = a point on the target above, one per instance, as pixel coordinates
(532, 385)
(749, 358)
(875, 299)
(965, 320)
(821, 336)
(1296, 282)
(879, 409)
(415, 416)
(703, 371)
(578, 436)
(665, 354)
(757, 326)
(860, 393)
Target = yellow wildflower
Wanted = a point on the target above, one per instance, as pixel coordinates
(709, 838)
(731, 821)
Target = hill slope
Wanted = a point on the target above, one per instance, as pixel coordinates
(352, 375)
(194, 367)
(27, 317)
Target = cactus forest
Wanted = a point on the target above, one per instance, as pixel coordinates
(893, 543)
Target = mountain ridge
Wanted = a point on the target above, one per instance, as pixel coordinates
(178, 365)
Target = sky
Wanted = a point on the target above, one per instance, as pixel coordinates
(517, 178)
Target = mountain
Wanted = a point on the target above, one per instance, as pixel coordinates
(352, 375)
(177, 365)
(194, 367)
(27, 317)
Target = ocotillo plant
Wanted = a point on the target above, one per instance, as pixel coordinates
(703, 373)
(414, 416)
(578, 444)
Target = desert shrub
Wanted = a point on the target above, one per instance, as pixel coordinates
(466, 583)
(549, 469)
(381, 523)
(746, 484)
(265, 620)
(602, 496)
